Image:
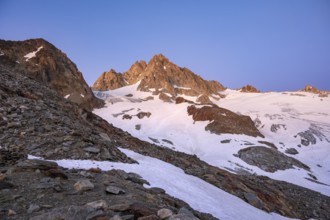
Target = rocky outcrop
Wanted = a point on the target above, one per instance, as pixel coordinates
(40, 60)
(224, 121)
(109, 81)
(161, 75)
(249, 89)
(269, 159)
(204, 99)
(312, 89)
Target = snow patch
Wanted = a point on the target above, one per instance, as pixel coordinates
(82, 95)
(180, 87)
(199, 194)
(67, 96)
(32, 54)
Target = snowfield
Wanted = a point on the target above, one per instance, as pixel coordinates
(199, 194)
(280, 118)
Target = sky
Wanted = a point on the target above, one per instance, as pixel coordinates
(274, 45)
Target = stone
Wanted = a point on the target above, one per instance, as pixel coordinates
(269, 159)
(116, 217)
(114, 190)
(97, 215)
(105, 154)
(141, 115)
(185, 211)
(54, 173)
(253, 199)
(292, 151)
(99, 204)
(11, 212)
(37, 164)
(105, 136)
(143, 209)
(119, 207)
(14, 125)
(128, 217)
(182, 217)
(225, 141)
(164, 213)
(149, 217)
(157, 190)
(93, 150)
(33, 208)
(137, 179)
(83, 185)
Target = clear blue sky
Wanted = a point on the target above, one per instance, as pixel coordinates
(272, 44)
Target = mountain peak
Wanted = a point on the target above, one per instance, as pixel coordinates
(163, 78)
(159, 57)
(42, 61)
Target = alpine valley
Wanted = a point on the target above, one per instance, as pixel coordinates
(155, 142)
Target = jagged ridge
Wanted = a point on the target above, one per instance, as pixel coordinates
(160, 76)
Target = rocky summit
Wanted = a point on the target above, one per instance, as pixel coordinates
(161, 77)
(43, 62)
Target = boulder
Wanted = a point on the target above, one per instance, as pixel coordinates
(164, 213)
(83, 185)
(269, 159)
(223, 120)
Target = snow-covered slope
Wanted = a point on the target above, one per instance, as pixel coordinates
(289, 120)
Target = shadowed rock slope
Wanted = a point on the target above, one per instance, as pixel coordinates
(45, 63)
